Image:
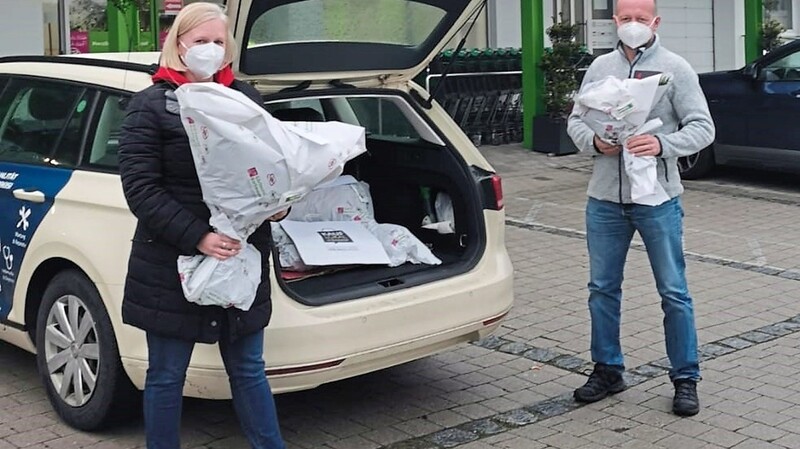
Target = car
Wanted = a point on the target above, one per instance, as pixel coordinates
(65, 228)
(755, 110)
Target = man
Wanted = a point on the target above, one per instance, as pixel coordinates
(612, 217)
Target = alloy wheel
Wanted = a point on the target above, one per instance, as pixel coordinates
(687, 162)
(71, 350)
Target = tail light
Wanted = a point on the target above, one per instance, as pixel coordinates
(497, 187)
(491, 187)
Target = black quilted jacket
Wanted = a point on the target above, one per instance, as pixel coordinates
(163, 192)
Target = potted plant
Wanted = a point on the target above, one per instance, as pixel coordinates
(560, 64)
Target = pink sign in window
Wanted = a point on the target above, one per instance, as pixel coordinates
(172, 6)
(79, 42)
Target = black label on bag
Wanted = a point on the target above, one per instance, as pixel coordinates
(335, 236)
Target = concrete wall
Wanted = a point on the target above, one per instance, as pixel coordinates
(728, 34)
(21, 27)
(687, 28)
(504, 23)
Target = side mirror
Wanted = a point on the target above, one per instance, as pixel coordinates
(750, 71)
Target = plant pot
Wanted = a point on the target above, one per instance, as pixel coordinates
(550, 136)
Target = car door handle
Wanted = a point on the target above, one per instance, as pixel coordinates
(35, 196)
(795, 94)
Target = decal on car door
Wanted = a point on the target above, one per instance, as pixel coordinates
(26, 196)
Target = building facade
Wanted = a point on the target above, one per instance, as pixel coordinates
(707, 33)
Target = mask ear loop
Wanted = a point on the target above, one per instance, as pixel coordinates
(182, 57)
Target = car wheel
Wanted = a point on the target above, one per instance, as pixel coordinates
(77, 353)
(697, 165)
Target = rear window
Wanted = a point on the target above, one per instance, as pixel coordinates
(320, 36)
(42, 122)
(381, 117)
(377, 21)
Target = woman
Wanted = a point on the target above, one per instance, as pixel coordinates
(163, 192)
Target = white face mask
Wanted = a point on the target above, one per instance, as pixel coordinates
(635, 34)
(204, 60)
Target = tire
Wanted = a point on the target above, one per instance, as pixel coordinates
(697, 165)
(74, 336)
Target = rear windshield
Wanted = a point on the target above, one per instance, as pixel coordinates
(314, 36)
(384, 118)
(378, 21)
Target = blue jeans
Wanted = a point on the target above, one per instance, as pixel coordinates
(252, 397)
(609, 230)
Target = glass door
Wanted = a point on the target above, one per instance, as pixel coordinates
(601, 30)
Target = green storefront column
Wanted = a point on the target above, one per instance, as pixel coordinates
(154, 25)
(753, 19)
(121, 25)
(532, 76)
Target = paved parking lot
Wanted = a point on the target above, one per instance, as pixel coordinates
(513, 390)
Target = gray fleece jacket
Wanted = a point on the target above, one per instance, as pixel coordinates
(687, 127)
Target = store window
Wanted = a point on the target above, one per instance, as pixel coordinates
(88, 26)
(780, 10)
(52, 27)
(144, 36)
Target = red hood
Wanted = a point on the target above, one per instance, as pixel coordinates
(224, 76)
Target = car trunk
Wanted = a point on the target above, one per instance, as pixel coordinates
(302, 48)
(402, 170)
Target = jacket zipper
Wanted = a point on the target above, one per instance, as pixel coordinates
(632, 64)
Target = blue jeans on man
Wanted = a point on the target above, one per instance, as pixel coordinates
(610, 228)
(252, 397)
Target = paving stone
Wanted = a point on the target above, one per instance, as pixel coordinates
(490, 342)
(722, 437)
(354, 442)
(413, 444)
(648, 370)
(483, 427)
(541, 355)
(553, 407)
(571, 363)
(712, 351)
(736, 342)
(757, 337)
(565, 441)
(516, 418)
(784, 328)
(633, 379)
(793, 275)
(451, 437)
(30, 437)
(515, 348)
(778, 329)
(762, 432)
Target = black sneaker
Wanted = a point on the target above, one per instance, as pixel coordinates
(603, 381)
(685, 402)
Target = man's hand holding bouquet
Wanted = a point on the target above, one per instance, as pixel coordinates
(617, 111)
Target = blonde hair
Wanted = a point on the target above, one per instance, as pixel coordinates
(189, 18)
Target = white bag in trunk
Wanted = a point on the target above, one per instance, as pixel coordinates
(347, 199)
(344, 199)
(251, 166)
